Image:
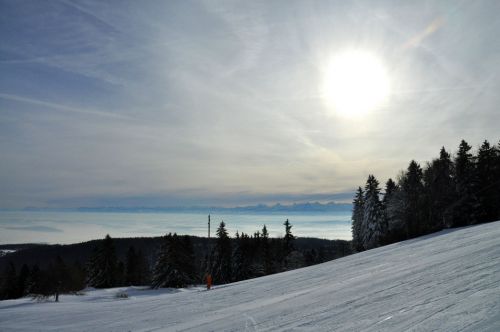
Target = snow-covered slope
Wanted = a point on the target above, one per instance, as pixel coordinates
(448, 281)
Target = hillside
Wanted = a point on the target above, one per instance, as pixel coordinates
(448, 281)
(44, 254)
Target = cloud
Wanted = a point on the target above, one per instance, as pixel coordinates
(203, 102)
(60, 107)
(45, 229)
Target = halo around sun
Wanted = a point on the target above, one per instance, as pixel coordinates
(355, 83)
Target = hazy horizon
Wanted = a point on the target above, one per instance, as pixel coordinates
(63, 227)
(231, 103)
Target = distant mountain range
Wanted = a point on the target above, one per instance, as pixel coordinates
(314, 207)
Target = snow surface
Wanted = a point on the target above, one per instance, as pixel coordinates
(449, 281)
(5, 252)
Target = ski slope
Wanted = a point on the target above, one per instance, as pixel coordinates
(449, 281)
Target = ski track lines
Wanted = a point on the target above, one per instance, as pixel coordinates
(448, 281)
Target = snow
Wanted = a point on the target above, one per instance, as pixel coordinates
(448, 281)
(4, 252)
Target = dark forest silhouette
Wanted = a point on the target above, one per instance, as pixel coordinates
(447, 192)
(169, 261)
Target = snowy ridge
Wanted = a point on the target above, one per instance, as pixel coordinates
(448, 281)
(4, 252)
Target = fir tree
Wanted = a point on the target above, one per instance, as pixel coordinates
(439, 192)
(321, 256)
(373, 228)
(390, 189)
(295, 260)
(357, 220)
(120, 274)
(288, 239)
(221, 257)
(9, 286)
(496, 172)
(170, 269)
(413, 188)
(488, 183)
(265, 233)
(136, 268)
(466, 208)
(189, 257)
(34, 281)
(310, 257)
(22, 281)
(76, 277)
(241, 268)
(266, 251)
(131, 268)
(60, 281)
(394, 212)
(102, 266)
(392, 206)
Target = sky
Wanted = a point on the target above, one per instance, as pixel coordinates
(162, 103)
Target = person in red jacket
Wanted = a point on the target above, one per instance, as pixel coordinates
(209, 281)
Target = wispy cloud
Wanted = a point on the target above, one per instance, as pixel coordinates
(34, 229)
(62, 108)
(219, 101)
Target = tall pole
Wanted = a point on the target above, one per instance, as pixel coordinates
(208, 276)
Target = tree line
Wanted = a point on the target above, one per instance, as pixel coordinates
(226, 259)
(446, 192)
(179, 261)
(57, 278)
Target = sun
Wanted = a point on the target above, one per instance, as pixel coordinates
(355, 83)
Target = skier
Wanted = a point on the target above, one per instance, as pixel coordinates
(209, 281)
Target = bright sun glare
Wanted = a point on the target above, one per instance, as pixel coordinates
(355, 83)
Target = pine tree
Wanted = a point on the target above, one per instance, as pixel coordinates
(488, 184)
(241, 259)
(22, 281)
(295, 260)
(170, 269)
(394, 212)
(392, 204)
(144, 268)
(41, 283)
(439, 192)
(131, 268)
(310, 257)
(162, 271)
(266, 251)
(188, 256)
(221, 257)
(9, 286)
(136, 268)
(390, 189)
(288, 239)
(467, 206)
(34, 281)
(265, 233)
(102, 266)
(60, 281)
(120, 274)
(373, 228)
(357, 220)
(76, 277)
(496, 172)
(413, 188)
